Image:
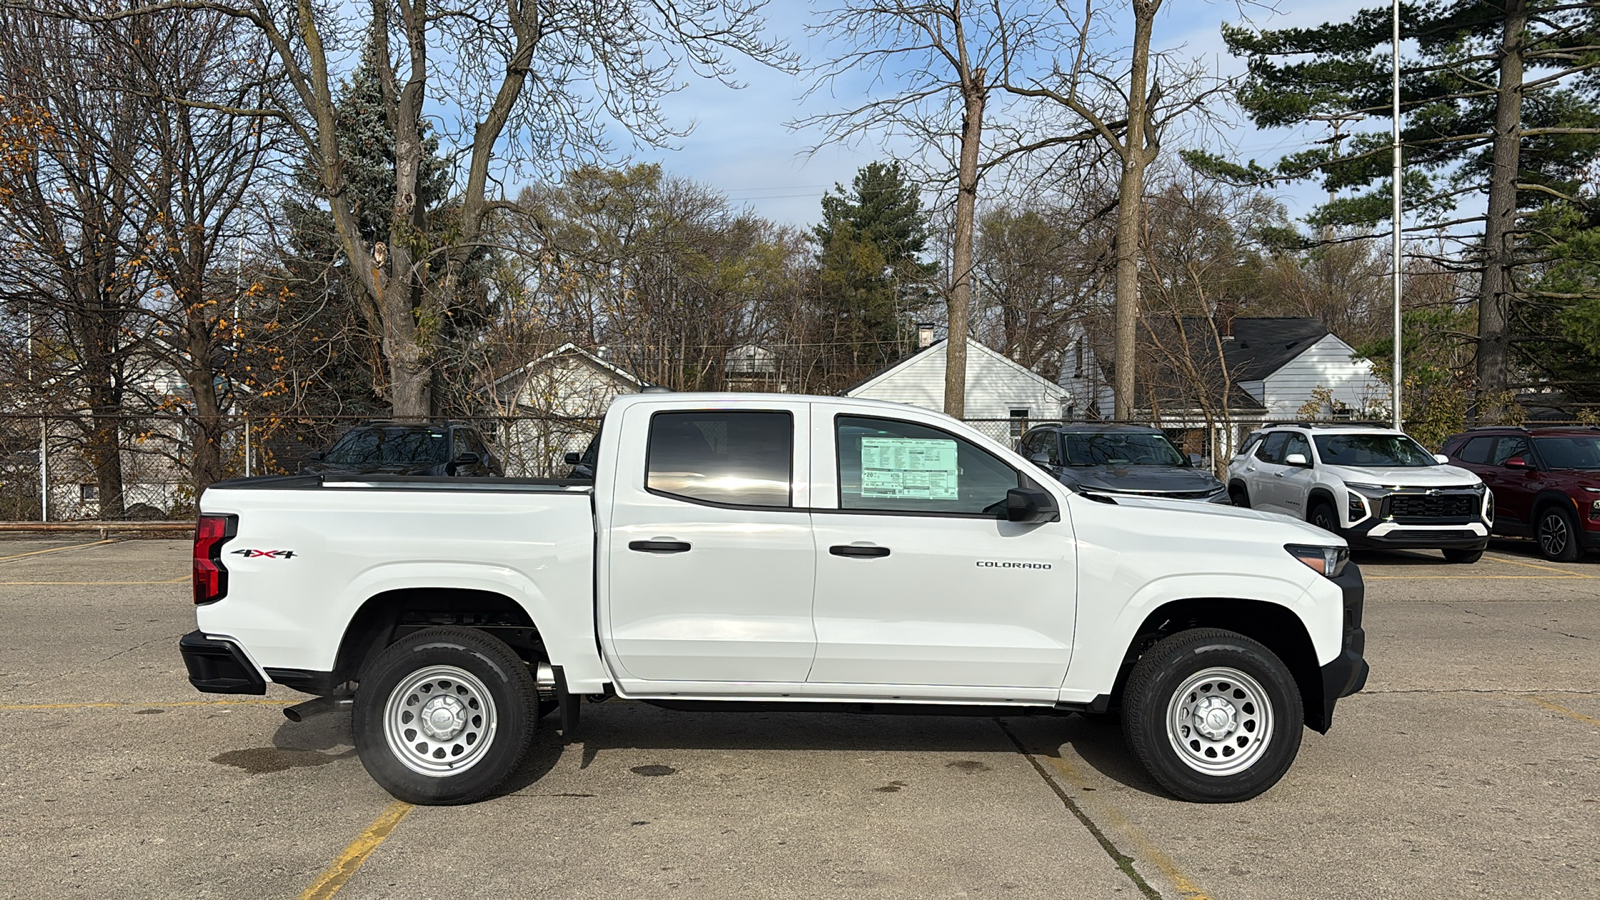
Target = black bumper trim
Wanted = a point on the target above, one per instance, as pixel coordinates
(219, 667)
(305, 680)
(1347, 672)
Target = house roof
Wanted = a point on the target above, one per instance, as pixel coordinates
(1261, 346)
(569, 348)
(972, 344)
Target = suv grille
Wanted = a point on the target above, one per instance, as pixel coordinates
(1433, 508)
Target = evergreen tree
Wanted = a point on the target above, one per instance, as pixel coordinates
(1500, 102)
(871, 278)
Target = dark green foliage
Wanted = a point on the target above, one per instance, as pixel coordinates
(872, 282)
(1297, 76)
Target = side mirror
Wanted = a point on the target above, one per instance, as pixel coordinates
(316, 455)
(1028, 505)
(1441, 459)
(1517, 462)
(1042, 460)
(1297, 459)
(573, 458)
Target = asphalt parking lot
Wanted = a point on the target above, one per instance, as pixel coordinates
(1469, 766)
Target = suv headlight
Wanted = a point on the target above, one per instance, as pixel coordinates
(1329, 561)
(1367, 488)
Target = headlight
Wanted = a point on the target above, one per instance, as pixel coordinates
(1329, 561)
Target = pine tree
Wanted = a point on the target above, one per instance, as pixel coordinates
(1499, 99)
(871, 278)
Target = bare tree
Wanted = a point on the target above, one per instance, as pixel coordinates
(194, 187)
(948, 59)
(1123, 103)
(530, 80)
(68, 173)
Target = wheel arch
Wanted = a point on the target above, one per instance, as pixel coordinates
(1546, 499)
(1276, 627)
(391, 614)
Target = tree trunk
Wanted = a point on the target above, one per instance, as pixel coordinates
(960, 302)
(1494, 294)
(1130, 219)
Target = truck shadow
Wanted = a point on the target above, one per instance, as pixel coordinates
(632, 731)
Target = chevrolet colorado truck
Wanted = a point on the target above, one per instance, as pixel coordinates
(757, 551)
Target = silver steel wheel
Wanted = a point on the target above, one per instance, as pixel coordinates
(439, 721)
(1553, 534)
(1219, 721)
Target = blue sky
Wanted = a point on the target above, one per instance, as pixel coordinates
(741, 145)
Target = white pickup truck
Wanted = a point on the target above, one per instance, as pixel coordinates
(762, 550)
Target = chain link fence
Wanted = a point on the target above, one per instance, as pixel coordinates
(48, 472)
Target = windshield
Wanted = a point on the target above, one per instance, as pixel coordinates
(383, 446)
(1372, 450)
(1569, 452)
(1120, 448)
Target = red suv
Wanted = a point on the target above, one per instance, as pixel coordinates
(1546, 483)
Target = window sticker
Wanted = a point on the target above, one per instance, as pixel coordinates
(909, 468)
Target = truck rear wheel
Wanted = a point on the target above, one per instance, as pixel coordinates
(444, 715)
(1214, 716)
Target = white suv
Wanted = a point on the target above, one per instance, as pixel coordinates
(1375, 486)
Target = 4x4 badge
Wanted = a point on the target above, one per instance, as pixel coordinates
(269, 554)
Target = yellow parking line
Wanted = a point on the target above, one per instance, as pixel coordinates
(115, 704)
(1518, 562)
(345, 865)
(1540, 701)
(170, 581)
(59, 549)
(1503, 577)
(1147, 849)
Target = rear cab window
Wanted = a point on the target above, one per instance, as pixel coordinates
(722, 457)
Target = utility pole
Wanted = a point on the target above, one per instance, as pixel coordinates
(1399, 418)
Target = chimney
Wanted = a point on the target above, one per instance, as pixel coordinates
(1227, 308)
(924, 335)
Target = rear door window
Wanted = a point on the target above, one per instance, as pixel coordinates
(1271, 450)
(1476, 451)
(725, 457)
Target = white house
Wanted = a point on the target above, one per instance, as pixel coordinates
(998, 388)
(1276, 369)
(557, 401)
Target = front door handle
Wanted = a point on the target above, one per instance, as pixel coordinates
(659, 546)
(857, 550)
(1277, 474)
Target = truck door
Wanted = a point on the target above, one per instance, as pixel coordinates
(921, 580)
(711, 561)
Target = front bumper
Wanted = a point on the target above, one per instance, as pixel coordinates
(218, 666)
(1347, 672)
(1385, 535)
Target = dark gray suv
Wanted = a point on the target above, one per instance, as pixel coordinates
(1119, 459)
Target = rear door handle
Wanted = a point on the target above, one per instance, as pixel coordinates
(856, 550)
(659, 546)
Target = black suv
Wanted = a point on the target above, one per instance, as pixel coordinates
(1119, 459)
(392, 448)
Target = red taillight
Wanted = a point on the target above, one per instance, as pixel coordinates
(210, 576)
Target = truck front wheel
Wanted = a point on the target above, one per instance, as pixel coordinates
(1213, 715)
(444, 715)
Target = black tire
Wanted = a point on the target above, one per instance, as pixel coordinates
(1239, 496)
(1557, 534)
(474, 688)
(1225, 673)
(1457, 555)
(1324, 516)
